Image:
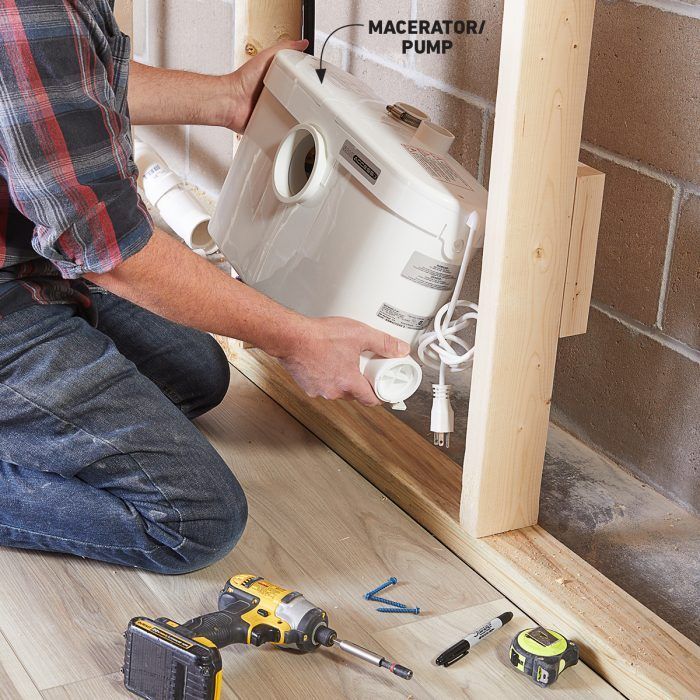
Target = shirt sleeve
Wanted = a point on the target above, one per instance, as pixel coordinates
(65, 142)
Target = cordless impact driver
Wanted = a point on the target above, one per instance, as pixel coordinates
(164, 660)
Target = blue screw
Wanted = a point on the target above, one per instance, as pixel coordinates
(415, 611)
(390, 582)
(386, 601)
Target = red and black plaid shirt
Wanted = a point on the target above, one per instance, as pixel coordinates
(68, 200)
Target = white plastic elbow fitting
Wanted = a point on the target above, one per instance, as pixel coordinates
(394, 379)
(165, 191)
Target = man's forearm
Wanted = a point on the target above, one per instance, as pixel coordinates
(322, 354)
(172, 281)
(162, 96)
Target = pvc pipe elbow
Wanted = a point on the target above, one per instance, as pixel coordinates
(180, 210)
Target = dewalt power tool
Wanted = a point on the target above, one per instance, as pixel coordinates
(165, 660)
(542, 654)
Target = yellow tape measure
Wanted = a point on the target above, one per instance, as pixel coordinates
(542, 654)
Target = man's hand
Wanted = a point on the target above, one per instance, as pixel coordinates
(325, 358)
(162, 96)
(322, 354)
(246, 84)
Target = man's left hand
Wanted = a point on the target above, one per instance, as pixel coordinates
(246, 84)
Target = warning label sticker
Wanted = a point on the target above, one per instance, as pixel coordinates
(430, 272)
(436, 166)
(403, 318)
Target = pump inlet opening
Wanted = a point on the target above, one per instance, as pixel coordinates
(302, 164)
(299, 164)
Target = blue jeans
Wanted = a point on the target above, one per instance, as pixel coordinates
(98, 456)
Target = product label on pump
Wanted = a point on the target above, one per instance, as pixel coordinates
(437, 166)
(403, 318)
(430, 272)
(360, 162)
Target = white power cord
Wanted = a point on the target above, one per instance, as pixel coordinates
(439, 347)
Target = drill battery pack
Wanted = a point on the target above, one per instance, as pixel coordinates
(162, 664)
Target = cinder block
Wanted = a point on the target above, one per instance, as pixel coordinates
(682, 316)
(472, 280)
(643, 97)
(634, 399)
(194, 35)
(632, 242)
(335, 13)
(123, 13)
(139, 31)
(488, 150)
(211, 152)
(335, 53)
(463, 119)
(472, 64)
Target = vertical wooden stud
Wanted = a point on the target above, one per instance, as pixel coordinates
(539, 109)
(262, 23)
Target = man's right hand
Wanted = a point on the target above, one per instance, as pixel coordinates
(322, 354)
(324, 357)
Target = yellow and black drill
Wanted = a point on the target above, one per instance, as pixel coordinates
(164, 660)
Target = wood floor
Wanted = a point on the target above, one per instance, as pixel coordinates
(317, 526)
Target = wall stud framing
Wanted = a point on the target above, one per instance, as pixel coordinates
(539, 112)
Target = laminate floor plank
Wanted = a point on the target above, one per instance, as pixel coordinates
(15, 683)
(103, 687)
(65, 616)
(316, 526)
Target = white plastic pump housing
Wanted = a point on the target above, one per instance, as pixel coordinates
(333, 207)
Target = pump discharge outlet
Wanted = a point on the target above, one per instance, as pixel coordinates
(335, 205)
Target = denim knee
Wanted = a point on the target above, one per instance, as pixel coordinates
(212, 512)
(230, 516)
(213, 376)
(212, 532)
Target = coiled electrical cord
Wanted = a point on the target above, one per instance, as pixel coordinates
(443, 349)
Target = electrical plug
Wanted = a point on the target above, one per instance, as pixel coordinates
(442, 417)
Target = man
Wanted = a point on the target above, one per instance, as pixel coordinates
(97, 388)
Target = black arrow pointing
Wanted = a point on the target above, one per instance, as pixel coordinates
(321, 71)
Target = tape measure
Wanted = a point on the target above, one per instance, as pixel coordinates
(542, 654)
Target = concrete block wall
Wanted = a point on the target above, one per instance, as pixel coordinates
(194, 35)
(630, 387)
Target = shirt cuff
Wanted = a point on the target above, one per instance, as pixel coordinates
(102, 241)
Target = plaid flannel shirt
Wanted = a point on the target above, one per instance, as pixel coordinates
(68, 199)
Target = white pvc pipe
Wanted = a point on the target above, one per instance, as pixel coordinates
(166, 191)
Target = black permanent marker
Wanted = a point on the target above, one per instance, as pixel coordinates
(457, 651)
